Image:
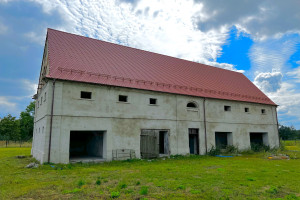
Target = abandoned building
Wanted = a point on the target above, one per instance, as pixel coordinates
(102, 101)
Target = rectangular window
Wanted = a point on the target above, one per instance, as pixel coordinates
(152, 101)
(86, 95)
(246, 109)
(263, 111)
(227, 108)
(123, 98)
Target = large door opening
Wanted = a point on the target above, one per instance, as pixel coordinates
(258, 140)
(223, 139)
(194, 140)
(86, 145)
(154, 143)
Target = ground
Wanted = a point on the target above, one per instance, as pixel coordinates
(250, 176)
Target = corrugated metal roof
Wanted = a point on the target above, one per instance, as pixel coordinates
(77, 58)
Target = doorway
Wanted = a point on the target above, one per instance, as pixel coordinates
(194, 140)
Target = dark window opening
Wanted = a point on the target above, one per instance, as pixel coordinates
(246, 109)
(152, 101)
(221, 140)
(227, 108)
(263, 111)
(86, 95)
(86, 144)
(259, 141)
(191, 105)
(123, 98)
(194, 140)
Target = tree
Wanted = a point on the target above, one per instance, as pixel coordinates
(26, 122)
(287, 133)
(9, 128)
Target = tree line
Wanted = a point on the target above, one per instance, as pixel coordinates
(18, 130)
(289, 133)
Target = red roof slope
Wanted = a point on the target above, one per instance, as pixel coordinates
(78, 58)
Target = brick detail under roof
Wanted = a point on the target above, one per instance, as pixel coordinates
(82, 59)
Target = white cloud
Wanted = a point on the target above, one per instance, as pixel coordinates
(31, 87)
(4, 103)
(159, 26)
(268, 82)
(295, 75)
(262, 19)
(36, 38)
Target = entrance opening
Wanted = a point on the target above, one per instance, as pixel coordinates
(86, 145)
(154, 143)
(258, 140)
(194, 140)
(223, 139)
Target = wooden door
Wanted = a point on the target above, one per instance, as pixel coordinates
(149, 144)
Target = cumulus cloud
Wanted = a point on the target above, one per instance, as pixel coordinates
(261, 19)
(268, 82)
(159, 26)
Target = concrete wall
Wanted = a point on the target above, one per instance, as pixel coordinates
(123, 121)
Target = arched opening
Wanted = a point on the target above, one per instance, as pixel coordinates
(191, 105)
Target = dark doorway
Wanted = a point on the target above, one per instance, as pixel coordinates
(221, 140)
(86, 144)
(256, 139)
(154, 143)
(194, 140)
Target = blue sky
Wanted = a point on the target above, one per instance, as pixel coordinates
(258, 38)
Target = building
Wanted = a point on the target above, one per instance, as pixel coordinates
(102, 101)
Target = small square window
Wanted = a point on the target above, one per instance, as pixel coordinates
(123, 98)
(152, 101)
(263, 111)
(227, 108)
(86, 95)
(246, 109)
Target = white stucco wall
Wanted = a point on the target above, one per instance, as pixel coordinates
(123, 121)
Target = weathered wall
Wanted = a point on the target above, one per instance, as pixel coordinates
(123, 121)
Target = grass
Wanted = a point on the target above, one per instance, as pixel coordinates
(250, 176)
(14, 144)
(292, 145)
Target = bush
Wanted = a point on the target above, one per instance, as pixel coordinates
(214, 151)
(259, 147)
(231, 149)
(81, 183)
(98, 182)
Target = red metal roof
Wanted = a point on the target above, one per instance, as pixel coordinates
(77, 58)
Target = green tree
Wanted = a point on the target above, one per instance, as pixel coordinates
(287, 133)
(26, 122)
(9, 128)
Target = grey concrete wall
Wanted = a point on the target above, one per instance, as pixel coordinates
(123, 121)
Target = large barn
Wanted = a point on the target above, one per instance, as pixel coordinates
(99, 101)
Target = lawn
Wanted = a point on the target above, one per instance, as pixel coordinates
(250, 176)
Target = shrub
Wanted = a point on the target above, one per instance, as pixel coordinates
(98, 182)
(214, 151)
(144, 190)
(231, 149)
(81, 183)
(138, 183)
(259, 147)
(114, 194)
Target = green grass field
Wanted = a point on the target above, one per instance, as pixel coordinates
(250, 176)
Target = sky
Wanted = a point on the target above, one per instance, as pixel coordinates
(258, 38)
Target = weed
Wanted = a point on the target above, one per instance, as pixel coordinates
(195, 191)
(138, 183)
(291, 197)
(181, 187)
(76, 190)
(81, 183)
(231, 149)
(144, 190)
(273, 190)
(98, 182)
(114, 194)
(214, 151)
(122, 186)
(250, 179)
